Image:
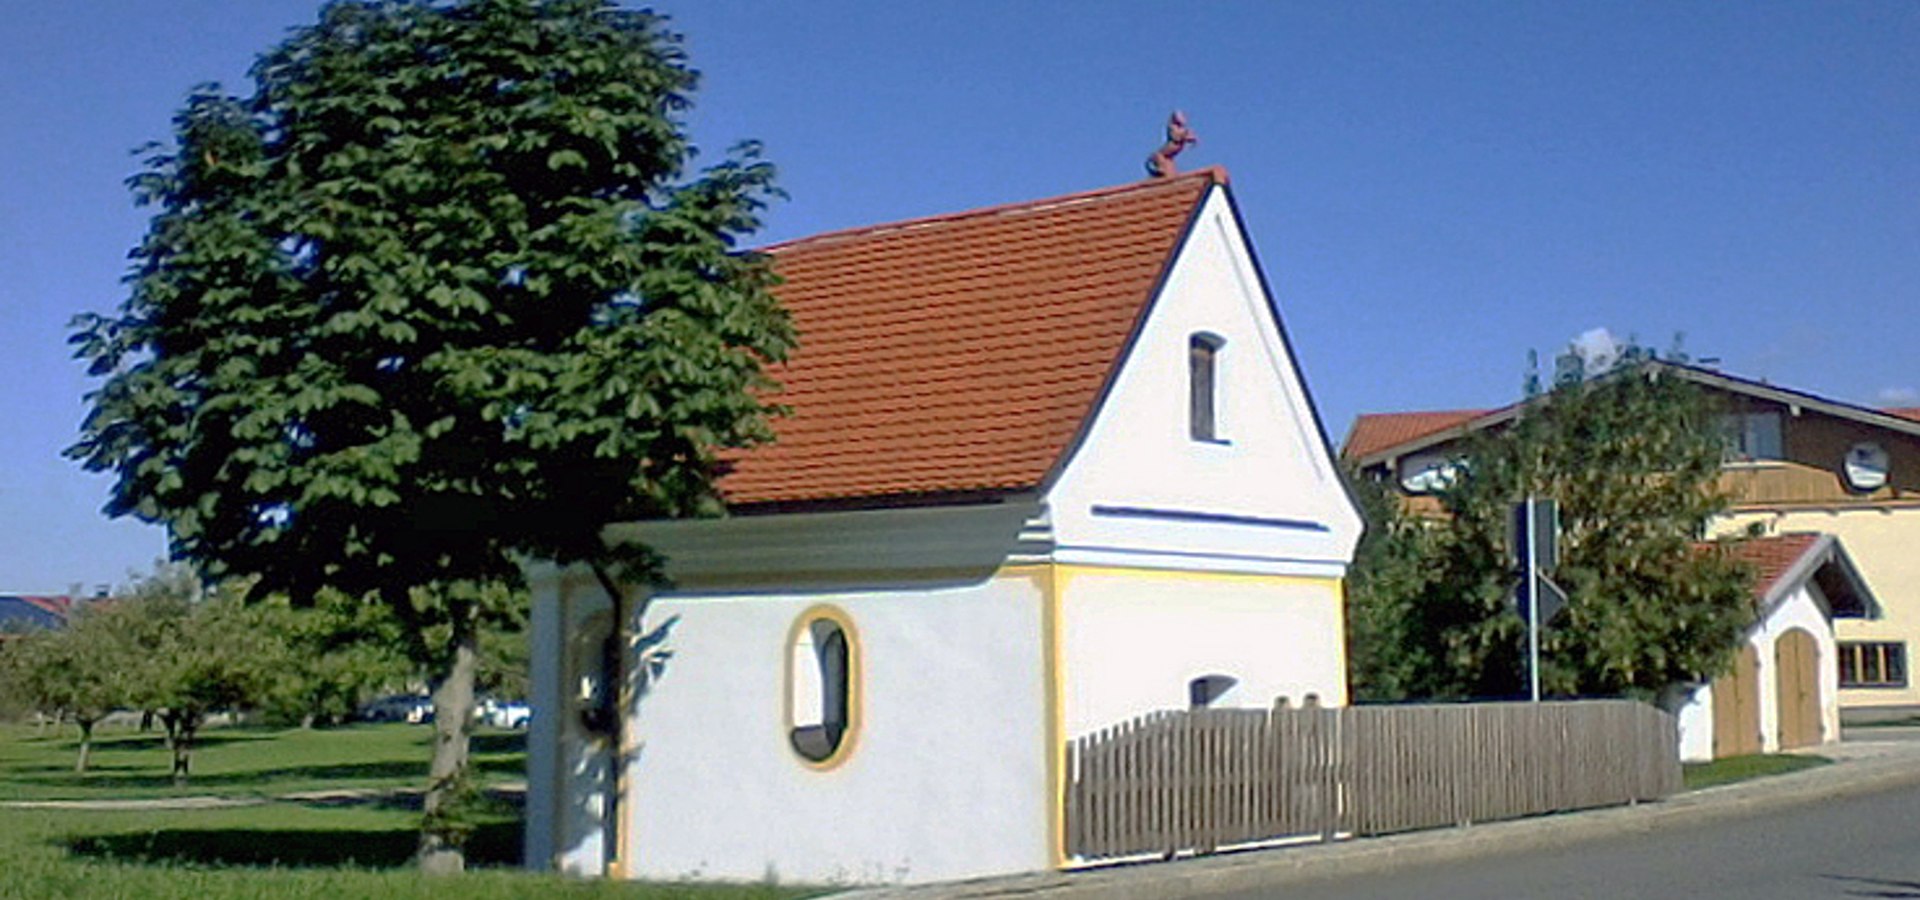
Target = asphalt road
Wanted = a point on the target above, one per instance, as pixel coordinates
(1856, 847)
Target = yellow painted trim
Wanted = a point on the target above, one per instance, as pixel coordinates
(1051, 588)
(856, 691)
(626, 738)
(1346, 650)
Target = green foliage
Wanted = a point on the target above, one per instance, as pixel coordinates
(1393, 573)
(191, 653)
(340, 653)
(79, 673)
(438, 297)
(1633, 459)
(433, 297)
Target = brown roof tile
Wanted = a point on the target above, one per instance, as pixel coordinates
(1905, 412)
(1771, 557)
(1378, 431)
(958, 353)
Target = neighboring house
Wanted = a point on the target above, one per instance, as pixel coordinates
(19, 612)
(1783, 692)
(1796, 462)
(1049, 466)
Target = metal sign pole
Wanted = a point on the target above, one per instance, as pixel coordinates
(1528, 584)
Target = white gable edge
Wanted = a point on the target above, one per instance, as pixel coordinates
(1267, 499)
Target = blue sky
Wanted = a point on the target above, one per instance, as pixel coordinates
(1433, 188)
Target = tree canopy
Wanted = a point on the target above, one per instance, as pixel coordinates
(1633, 460)
(441, 294)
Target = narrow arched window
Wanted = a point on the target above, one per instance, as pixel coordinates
(822, 685)
(1203, 364)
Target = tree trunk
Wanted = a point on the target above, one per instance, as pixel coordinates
(441, 834)
(86, 745)
(183, 747)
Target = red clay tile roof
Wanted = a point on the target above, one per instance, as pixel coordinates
(959, 353)
(1771, 557)
(1378, 431)
(1905, 412)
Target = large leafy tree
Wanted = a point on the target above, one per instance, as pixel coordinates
(440, 295)
(1633, 459)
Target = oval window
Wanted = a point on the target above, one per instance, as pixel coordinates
(821, 683)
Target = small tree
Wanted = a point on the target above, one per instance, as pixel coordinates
(339, 652)
(1633, 459)
(78, 673)
(438, 297)
(193, 657)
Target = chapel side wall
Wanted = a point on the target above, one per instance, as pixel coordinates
(1882, 542)
(948, 773)
(1132, 640)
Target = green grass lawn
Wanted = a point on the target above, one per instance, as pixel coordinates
(276, 849)
(238, 762)
(1741, 768)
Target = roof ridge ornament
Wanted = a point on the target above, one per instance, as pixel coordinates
(1160, 163)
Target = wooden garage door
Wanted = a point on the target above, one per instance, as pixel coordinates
(1736, 707)
(1798, 686)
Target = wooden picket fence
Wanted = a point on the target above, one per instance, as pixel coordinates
(1198, 780)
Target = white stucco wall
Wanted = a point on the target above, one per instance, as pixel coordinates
(948, 775)
(1131, 641)
(1266, 498)
(1800, 609)
(1696, 726)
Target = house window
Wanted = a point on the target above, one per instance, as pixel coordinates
(1877, 664)
(1203, 370)
(823, 682)
(1752, 436)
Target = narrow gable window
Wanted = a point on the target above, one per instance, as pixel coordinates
(1203, 361)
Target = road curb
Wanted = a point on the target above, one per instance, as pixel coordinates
(1262, 869)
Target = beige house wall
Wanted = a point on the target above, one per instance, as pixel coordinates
(1884, 542)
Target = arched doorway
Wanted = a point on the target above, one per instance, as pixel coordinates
(1736, 707)
(1797, 686)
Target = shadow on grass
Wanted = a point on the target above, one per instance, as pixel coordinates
(135, 743)
(127, 777)
(501, 742)
(493, 844)
(158, 741)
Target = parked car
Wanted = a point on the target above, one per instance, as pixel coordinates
(413, 709)
(504, 713)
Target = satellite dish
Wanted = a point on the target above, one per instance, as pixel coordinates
(1428, 472)
(1866, 466)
